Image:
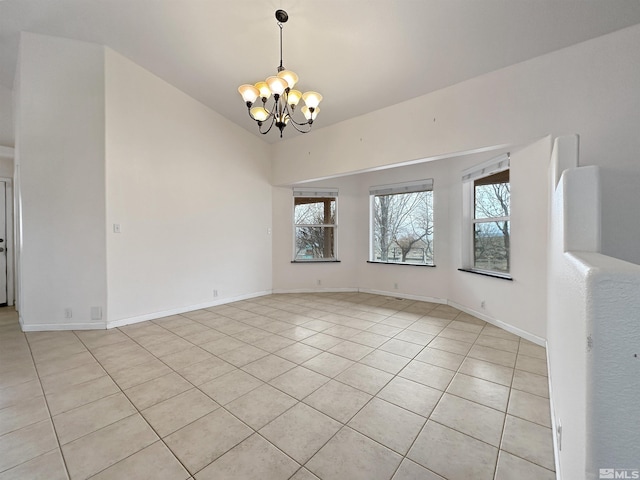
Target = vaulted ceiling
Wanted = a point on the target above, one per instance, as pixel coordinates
(362, 55)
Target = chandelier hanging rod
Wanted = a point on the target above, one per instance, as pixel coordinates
(282, 18)
(280, 67)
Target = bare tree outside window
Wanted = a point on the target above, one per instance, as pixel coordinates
(403, 228)
(492, 242)
(315, 225)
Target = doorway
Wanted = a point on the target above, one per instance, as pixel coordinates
(6, 242)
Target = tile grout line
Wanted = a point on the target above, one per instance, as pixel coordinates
(138, 412)
(458, 371)
(433, 410)
(395, 376)
(329, 313)
(46, 401)
(147, 421)
(298, 401)
(504, 422)
(222, 406)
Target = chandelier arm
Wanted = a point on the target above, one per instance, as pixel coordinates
(300, 124)
(296, 125)
(273, 119)
(288, 111)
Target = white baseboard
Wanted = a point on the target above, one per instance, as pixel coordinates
(500, 324)
(316, 290)
(405, 296)
(361, 290)
(188, 308)
(49, 327)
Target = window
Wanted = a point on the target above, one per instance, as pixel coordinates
(315, 225)
(402, 223)
(490, 209)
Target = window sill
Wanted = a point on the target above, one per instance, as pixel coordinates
(315, 261)
(406, 264)
(484, 273)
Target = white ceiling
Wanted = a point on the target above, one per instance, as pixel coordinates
(362, 55)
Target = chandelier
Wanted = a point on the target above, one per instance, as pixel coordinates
(285, 98)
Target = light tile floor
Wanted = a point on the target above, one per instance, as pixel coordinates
(302, 386)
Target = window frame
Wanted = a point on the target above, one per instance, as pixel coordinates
(317, 194)
(470, 176)
(418, 186)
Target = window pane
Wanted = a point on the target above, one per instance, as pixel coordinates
(492, 200)
(403, 228)
(315, 243)
(491, 246)
(314, 211)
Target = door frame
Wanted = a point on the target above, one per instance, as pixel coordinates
(10, 244)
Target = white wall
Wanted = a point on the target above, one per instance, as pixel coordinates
(60, 124)
(613, 364)
(518, 305)
(589, 89)
(192, 195)
(567, 309)
(6, 117)
(102, 142)
(289, 277)
(526, 294)
(426, 283)
(593, 336)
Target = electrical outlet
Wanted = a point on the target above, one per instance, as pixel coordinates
(116, 228)
(68, 313)
(395, 285)
(559, 435)
(215, 293)
(482, 304)
(319, 282)
(96, 313)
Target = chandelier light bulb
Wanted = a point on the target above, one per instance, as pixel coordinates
(290, 77)
(311, 99)
(264, 90)
(284, 118)
(308, 114)
(293, 97)
(249, 93)
(277, 85)
(259, 114)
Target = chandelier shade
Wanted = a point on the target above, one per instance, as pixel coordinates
(290, 77)
(293, 97)
(309, 113)
(312, 99)
(259, 114)
(277, 85)
(285, 98)
(249, 93)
